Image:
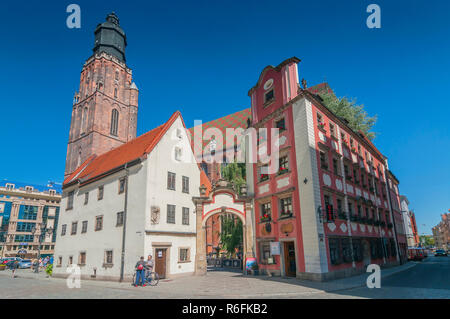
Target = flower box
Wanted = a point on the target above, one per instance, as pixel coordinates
(321, 126)
(265, 218)
(285, 214)
(264, 177)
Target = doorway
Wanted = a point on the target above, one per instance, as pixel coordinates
(366, 253)
(160, 262)
(289, 259)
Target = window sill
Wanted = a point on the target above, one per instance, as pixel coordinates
(322, 129)
(183, 261)
(287, 216)
(269, 102)
(81, 265)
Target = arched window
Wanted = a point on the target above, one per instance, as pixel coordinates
(114, 122)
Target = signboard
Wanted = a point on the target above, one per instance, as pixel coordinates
(275, 248)
(250, 262)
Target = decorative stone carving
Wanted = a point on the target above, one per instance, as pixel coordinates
(155, 214)
(287, 228)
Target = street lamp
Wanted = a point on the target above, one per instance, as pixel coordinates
(44, 231)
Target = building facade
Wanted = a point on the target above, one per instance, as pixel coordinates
(441, 233)
(28, 219)
(409, 222)
(133, 201)
(326, 210)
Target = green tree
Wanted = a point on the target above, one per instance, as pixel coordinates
(235, 173)
(231, 234)
(427, 240)
(357, 117)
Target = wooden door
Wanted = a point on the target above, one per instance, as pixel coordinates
(289, 259)
(160, 262)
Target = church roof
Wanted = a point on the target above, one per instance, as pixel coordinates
(95, 167)
(235, 120)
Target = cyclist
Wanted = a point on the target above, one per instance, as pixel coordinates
(149, 266)
(140, 272)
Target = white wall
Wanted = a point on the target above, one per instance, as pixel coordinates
(161, 161)
(95, 243)
(314, 248)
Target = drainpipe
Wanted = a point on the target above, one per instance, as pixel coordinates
(122, 258)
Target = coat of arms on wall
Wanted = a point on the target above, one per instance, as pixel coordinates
(155, 212)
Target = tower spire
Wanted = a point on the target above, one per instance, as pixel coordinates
(110, 38)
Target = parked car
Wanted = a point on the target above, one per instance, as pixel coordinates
(440, 252)
(415, 253)
(8, 259)
(25, 264)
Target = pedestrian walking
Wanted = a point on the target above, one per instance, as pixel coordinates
(14, 266)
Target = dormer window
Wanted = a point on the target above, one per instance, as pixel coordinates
(28, 188)
(269, 96)
(9, 186)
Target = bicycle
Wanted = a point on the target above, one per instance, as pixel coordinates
(151, 279)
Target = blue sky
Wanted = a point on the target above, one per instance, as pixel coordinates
(202, 57)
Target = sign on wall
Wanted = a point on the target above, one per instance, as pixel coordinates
(275, 248)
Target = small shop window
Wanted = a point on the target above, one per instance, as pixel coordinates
(335, 251)
(265, 255)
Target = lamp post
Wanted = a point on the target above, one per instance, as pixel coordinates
(44, 230)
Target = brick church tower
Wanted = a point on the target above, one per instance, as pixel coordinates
(104, 113)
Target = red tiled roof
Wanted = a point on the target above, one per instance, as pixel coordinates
(204, 180)
(235, 120)
(96, 166)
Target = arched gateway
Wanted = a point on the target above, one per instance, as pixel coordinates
(222, 199)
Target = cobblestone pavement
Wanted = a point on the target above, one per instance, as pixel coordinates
(412, 280)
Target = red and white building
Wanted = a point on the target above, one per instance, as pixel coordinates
(326, 213)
